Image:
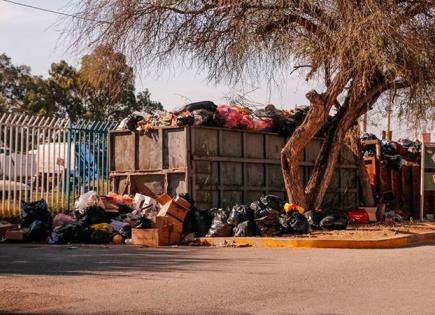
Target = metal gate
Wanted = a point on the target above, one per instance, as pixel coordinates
(50, 158)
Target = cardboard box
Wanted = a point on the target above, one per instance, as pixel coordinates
(163, 199)
(109, 204)
(15, 235)
(182, 202)
(7, 227)
(174, 210)
(175, 227)
(154, 237)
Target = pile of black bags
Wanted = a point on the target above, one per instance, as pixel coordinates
(263, 217)
(36, 217)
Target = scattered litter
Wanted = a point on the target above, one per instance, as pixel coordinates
(233, 244)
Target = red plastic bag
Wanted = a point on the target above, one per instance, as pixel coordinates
(263, 123)
(247, 122)
(358, 216)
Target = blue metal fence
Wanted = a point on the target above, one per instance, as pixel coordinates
(50, 158)
(90, 168)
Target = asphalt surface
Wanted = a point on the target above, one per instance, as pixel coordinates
(193, 280)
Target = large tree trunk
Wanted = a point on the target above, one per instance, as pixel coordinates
(354, 143)
(329, 152)
(314, 120)
(327, 159)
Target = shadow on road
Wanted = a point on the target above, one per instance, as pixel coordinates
(33, 259)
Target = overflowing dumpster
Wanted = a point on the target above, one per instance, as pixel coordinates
(218, 167)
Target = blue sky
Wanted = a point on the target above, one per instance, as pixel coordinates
(33, 38)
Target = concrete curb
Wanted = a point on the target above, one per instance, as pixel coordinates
(394, 242)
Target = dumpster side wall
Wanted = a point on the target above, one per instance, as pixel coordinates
(218, 167)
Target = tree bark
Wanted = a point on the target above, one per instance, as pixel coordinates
(354, 143)
(314, 120)
(327, 159)
(329, 152)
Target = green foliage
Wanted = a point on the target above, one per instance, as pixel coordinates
(103, 88)
(145, 104)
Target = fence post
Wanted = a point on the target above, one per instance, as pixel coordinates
(68, 167)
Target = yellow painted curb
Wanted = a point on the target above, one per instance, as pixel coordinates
(394, 242)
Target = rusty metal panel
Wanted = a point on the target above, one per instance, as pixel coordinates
(274, 144)
(255, 174)
(332, 200)
(149, 151)
(275, 178)
(206, 199)
(254, 195)
(231, 143)
(231, 197)
(346, 156)
(174, 148)
(155, 182)
(232, 173)
(122, 151)
(221, 167)
(204, 142)
(176, 183)
(348, 199)
(254, 145)
(349, 178)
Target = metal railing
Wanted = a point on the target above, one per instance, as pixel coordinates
(50, 158)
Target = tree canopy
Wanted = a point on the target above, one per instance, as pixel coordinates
(359, 50)
(102, 88)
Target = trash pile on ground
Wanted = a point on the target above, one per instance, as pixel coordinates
(395, 153)
(207, 113)
(158, 220)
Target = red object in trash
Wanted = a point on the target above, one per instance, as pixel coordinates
(358, 216)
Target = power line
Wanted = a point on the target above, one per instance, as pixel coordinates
(52, 11)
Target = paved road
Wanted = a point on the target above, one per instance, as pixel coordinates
(192, 280)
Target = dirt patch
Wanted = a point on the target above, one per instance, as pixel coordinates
(372, 231)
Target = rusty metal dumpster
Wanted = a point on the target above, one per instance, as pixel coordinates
(218, 167)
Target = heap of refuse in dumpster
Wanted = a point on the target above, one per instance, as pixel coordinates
(157, 220)
(207, 113)
(395, 153)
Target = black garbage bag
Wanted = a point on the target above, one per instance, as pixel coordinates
(207, 105)
(202, 222)
(314, 218)
(71, 232)
(219, 226)
(94, 215)
(185, 120)
(38, 231)
(239, 214)
(36, 210)
(203, 117)
(294, 223)
(272, 201)
(197, 221)
(285, 127)
(132, 121)
(100, 237)
(189, 222)
(368, 136)
(267, 221)
(267, 211)
(334, 222)
(125, 231)
(143, 223)
(245, 228)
